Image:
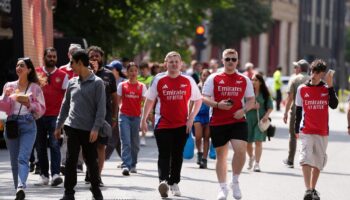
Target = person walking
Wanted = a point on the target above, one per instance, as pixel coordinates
(96, 62)
(277, 87)
(114, 142)
(225, 92)
(312, 101)
(264, 106)
(23, 101)
(173, 120)
(82, 116)
(201, 127)
(131, 94)
(301, 70)
(54, 87)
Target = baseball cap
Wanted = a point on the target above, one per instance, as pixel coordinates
(116, 64)
(300, 63)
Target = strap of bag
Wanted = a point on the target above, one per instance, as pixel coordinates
(22, 104)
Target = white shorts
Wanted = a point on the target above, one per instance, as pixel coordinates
(313, 150)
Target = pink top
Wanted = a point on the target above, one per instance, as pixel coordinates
(36, 100)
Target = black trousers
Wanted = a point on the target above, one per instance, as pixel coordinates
(278, 99)
(171, 143)
(77, 138)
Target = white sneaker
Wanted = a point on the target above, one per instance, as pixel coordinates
(143, 141)
(236, 191)
(43, 180)
(223, 192)
(251, 162)
(163, 189)
(257, 167)
(56, 180)
(175, 190)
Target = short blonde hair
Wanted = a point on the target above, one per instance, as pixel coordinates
(171, 54)
(229, 51)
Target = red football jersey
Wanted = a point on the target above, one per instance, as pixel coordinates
(222, 86)
(131, 97)
(314, 101)
(173, 95)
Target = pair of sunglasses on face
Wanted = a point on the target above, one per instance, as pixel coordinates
(231, 59)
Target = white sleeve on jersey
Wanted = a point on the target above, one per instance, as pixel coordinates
(249, 91)
(208, 87)
(298, 99)
(144, 90)
(152, 92)
(195, 93)
(65, 83)
(119, 89)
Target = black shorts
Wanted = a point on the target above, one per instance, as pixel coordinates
(102, 140)
(220, 135)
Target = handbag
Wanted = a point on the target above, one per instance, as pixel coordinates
(263, 126)
(188, 152)
(11, 126)
(105, 130)
(270, 132)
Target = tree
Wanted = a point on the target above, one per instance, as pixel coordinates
(239, 19)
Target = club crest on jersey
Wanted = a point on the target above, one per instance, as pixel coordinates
(239, 82)
(165, 87)
(58, 80)
(222, 82)
(324, 94)
(183, 85)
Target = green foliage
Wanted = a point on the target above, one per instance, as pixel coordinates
(244, 18)
(126, 28)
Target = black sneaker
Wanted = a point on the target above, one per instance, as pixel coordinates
(315, 195)
(288, 163)
(308, 195)
(87, 178)
(203, 164)
(100, 183)
(37, 169)
(96, 194)
(125, 172)
(31, 167)
(63, 169)
(20, 195)
(199, 157)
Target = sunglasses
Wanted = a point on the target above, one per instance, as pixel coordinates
(21, 65)
(231, 59)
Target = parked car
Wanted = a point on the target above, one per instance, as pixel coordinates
(270, 85)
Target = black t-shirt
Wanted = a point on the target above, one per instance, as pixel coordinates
(111, 87)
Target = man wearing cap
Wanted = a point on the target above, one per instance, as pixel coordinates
(301, 69)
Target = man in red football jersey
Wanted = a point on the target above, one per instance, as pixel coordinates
(173, 92)
(312, 101)
(226, 92)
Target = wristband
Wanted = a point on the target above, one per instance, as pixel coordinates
(114, 119)
(217, 104)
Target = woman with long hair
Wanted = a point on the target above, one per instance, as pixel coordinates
(264, 107)
(23, 101)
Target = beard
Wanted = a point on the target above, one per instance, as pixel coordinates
(50, 63)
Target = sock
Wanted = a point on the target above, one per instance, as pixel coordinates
(223, 185)
(235, 178)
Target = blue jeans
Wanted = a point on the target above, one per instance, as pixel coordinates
(46, 127)
(130, 139)
(20, 148)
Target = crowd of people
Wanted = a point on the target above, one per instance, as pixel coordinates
(68, 109)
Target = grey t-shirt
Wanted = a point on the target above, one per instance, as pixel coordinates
(84, 104)
(294, 84)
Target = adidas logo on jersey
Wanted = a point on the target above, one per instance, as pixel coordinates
(306, 95)
(222, 82)
(165, 87)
